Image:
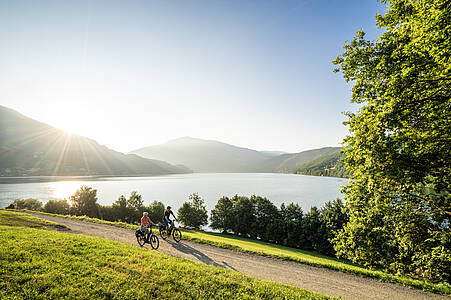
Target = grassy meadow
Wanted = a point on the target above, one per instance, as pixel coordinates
(44, 264)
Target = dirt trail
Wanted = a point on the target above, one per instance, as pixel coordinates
(315, 279)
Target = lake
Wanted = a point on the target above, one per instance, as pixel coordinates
(173, 190)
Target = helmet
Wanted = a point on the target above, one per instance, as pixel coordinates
(145, 213)
(168, 207)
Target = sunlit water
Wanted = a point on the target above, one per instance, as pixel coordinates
(173, 190)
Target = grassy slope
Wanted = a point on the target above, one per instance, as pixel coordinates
(10, 218)
(286, 253)
(43, 264)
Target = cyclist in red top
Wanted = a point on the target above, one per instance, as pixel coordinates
(145, 220)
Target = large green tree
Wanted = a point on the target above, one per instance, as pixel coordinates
(265, 214)
(223, 215)
(193, 213)
(398, 147)
(84, 202)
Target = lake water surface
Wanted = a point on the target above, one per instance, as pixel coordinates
(173, 190)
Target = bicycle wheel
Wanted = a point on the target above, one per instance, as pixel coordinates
(177, 235)
(154, 242)
(163, 233)
(141, 238)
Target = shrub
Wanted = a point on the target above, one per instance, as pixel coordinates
(61, 207)
(30, 203)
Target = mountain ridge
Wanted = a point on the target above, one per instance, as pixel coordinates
(203, 155)
(212, 156)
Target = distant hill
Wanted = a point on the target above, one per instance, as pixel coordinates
(28, 147)
(212, 156)
(290, 162)
(272, 153)
(204, 155)
(329, 165)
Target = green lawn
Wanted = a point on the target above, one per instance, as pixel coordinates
(44, 264)
(286, 253)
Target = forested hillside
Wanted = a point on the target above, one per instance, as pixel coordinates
(329, 165)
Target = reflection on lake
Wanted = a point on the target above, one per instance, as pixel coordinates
(173, 190)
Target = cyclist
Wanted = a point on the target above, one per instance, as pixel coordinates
(167, 213)
(145, 220)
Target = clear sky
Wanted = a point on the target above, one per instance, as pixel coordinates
(129, 74)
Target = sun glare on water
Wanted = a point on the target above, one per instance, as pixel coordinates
(64, 189)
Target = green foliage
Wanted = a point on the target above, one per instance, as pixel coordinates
(123, 209)
(60, 207)
(222, 215)
(291, 227)
(315, 230)
(265, 213)
(30, 203)
(334, 216)
(84, 202)
(244, 216)
(40, 264)
(193, 213)
(120, 211)
(257, 217)
(398, 148)
(135, 207)
(156, 211)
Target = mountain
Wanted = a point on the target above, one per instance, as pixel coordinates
(290, 162)
(272, 153)
(29, 147)
(204, 155)
(329, 165)
(215, 157)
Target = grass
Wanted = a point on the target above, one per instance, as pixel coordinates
(10, 218)
(80, 218)
(287, 253)
(44, 264)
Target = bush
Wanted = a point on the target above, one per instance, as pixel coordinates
(30, 203)
(60, 207)
(194, 213)
(107, 213)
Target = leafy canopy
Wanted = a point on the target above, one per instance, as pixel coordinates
(398, 147)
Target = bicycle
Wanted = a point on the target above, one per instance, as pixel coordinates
(174, 231)
(149, 238)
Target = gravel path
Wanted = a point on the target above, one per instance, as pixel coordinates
(315, 279)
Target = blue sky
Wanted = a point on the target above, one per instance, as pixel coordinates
(129, 74)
